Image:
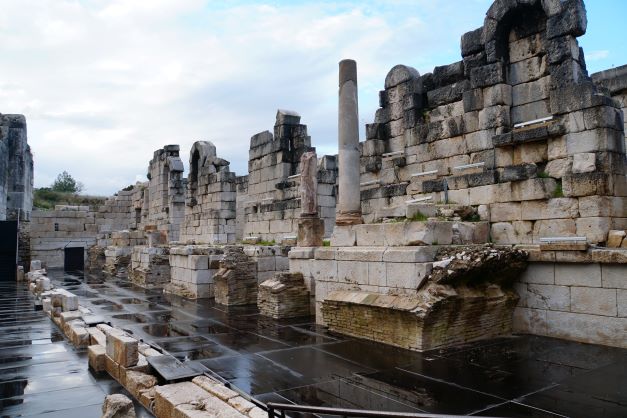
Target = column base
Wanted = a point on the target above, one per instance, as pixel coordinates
(349, 218)
(310, 232)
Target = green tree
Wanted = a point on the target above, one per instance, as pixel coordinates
(65, 183)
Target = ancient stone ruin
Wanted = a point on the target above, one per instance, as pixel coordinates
(489, 197)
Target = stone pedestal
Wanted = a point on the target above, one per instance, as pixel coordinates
(349, 203)
(236, 281)
(310, 232)
(284, 296)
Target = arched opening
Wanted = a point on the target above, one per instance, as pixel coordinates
(192, 185)
(524, 43)
(165, 188)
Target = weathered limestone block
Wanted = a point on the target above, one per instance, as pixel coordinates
(284, 296)
(138, 381)
(466, 287)
(236, 280)
(310, 232)
(584, 163)
(122, 349)
(117, 406)
(615, 238)
(168, 397)
(97, 355)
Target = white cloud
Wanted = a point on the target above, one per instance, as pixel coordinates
(103, 83)
(597, 55)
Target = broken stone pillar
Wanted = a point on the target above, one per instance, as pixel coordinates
(310, 226)
(284, 296)
(349, 204)
(236, 281)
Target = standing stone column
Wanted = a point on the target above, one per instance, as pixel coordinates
(310, 226)
(349, 203)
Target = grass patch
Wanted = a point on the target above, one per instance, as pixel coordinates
(267, 243)
(559, 191)
(46, 198)
(418, 217)
(543, 175)
(326, 243)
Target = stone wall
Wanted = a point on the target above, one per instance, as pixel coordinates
(150, 266)
(65, 227)
(166, 192)
(268, 202)
(210, 200)
(615, 81)
(516, 129)
(582, 302)
(192, 268)
(16, 169)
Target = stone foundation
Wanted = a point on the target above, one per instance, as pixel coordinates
(453, 317)
(568, 300)
(284, 296)
(192, 270)
(150, 266)
(412, 298)
(236, 281)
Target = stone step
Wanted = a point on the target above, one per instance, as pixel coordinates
(398, 234)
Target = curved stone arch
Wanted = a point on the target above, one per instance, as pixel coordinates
(198, 155)
(200, 152)
(562, 18)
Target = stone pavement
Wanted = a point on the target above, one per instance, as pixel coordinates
(298, 361)
(41, 373)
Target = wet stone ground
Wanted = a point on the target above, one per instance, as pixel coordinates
(40, 372)
(297, 361)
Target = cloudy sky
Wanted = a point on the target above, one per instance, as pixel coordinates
(104, 83)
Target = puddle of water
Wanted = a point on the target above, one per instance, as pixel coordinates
(164, 330)
(140, 318)
(131, 301)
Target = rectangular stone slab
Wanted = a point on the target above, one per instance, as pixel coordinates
(170, 368)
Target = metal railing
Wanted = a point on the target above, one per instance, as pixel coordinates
(345, 413)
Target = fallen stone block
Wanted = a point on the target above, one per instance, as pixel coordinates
(117, 406)
(97, 358)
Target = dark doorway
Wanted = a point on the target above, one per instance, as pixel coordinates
(74, 259)
(8, 250)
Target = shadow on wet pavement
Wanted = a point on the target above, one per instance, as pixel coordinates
(301, 362)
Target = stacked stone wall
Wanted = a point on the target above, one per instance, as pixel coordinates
(166, 192)
(210, 201)
(268, 201)
(66, 226)
(516, 129)
(583, 302)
